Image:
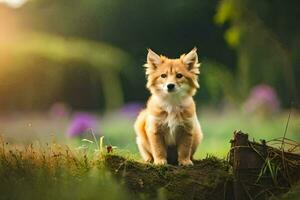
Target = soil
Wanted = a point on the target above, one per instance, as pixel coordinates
(207, 179)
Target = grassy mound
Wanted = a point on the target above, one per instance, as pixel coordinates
(54, 172)
(207, 179)
(57, 172)
(293, 194)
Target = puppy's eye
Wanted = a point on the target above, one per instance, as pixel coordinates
(163, 75)
(178, 75)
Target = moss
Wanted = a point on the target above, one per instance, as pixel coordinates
(207, 179)
(292, 194)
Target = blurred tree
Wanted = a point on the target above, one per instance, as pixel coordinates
(263, 39)
(266, 38)
(169, 27)
(42, 69)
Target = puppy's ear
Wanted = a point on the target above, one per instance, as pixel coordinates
(153, 60)
(191, 61)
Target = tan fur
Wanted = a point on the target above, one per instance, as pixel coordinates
(170, 117)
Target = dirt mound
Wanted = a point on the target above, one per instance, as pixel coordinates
(207, 179)
(254, 171)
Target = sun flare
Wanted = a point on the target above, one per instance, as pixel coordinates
(13, 3)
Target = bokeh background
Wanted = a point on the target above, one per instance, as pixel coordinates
(72, 67)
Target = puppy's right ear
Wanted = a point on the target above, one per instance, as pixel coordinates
(153, 60)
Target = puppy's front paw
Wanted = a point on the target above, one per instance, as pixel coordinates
(148, 160)
(185, 162)
(160, 162)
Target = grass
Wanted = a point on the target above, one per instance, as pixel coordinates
(57, 171)
(54, 172)
(30, 168)
(293, 194)
(218, 127)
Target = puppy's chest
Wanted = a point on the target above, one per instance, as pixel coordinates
(173, 116)
(172, 120)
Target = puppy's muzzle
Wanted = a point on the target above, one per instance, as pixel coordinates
(171, 87)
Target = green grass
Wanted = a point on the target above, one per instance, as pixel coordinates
(293, 194)
(218, 128)
(61, 170)
(54, 172)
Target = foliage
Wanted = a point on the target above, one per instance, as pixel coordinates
(54, 172)
(57, 171)
(130, 26)
(48, 58)
(262, 36)
(293, 194)
(59, 49)
(218, 82)
(262, 42)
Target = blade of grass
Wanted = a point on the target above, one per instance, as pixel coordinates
(95, 139)
(101, 144)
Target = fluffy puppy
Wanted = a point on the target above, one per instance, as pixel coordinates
(168, 127)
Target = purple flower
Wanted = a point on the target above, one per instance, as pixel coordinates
(81, 123)
(131, 109)
(262, 97)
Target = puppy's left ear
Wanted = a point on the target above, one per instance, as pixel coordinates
(191, 60)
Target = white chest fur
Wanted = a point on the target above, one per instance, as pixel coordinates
(172, 121)
(173, 106)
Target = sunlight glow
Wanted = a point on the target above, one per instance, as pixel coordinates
(13, 3)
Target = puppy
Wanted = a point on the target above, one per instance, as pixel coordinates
(169, 128)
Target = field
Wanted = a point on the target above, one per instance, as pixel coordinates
(117, 129)
(72, 83)
(38, 159)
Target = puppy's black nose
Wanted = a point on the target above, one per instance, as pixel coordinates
(171, 86)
